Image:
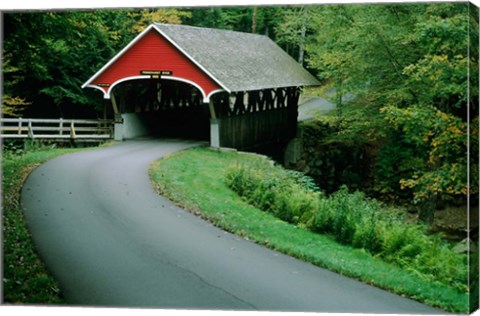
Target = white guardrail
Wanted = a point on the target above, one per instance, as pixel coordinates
(56, 129)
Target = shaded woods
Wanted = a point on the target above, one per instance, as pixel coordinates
(407, 66)
(415, 99)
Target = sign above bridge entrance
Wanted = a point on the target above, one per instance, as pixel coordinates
(156, 72)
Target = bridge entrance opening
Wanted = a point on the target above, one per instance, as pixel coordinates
(162, 108)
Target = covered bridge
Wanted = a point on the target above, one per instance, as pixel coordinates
(236, 89)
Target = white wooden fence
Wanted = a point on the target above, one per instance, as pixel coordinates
(56, 129)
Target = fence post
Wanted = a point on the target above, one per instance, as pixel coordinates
(60, 124)
(30, 129)
(72, 130)
(19, 126)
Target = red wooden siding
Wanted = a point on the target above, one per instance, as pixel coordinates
(154, 52)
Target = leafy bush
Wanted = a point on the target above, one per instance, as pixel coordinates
(351, 219)
(289, 195)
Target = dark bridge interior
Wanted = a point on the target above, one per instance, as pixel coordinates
(167, 108)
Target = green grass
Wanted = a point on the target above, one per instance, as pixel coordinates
(25, 278)
(194, 179)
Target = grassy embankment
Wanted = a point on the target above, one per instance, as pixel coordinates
(195, 179)
(25, 277)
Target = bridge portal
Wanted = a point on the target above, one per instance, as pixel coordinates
(234, 89)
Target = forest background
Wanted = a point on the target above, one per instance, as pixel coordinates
(412, 69)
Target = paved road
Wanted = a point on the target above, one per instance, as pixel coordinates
(313, 107)
(110, 240)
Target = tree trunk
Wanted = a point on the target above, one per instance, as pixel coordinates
(254, 20)
(426, 213)
(303, 32)
(301, 49)
(339, 95)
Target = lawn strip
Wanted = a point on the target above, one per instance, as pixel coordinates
(25, 277)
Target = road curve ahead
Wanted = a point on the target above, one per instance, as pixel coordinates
(110, 240)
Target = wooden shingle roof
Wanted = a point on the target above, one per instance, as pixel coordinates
(238, 61)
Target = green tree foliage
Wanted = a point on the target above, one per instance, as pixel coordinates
(228, 18)
(407, 67)
(12, 106)
(147, 16)
(239, 19)
(440, 144)
(51, 54)
(292, 30)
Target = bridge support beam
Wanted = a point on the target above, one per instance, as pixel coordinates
(214, 126)
(215, 133)
(118, 128)
(118, 120)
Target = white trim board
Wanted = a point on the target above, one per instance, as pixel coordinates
(107, 94)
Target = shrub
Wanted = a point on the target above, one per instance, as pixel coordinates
(439, 262)
(350, 218)
(288, 195)
(345, 216)
(322, 218)
(367, 235)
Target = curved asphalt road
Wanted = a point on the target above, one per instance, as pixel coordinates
(110, 240)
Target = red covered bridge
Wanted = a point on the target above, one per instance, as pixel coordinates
(239, 90)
